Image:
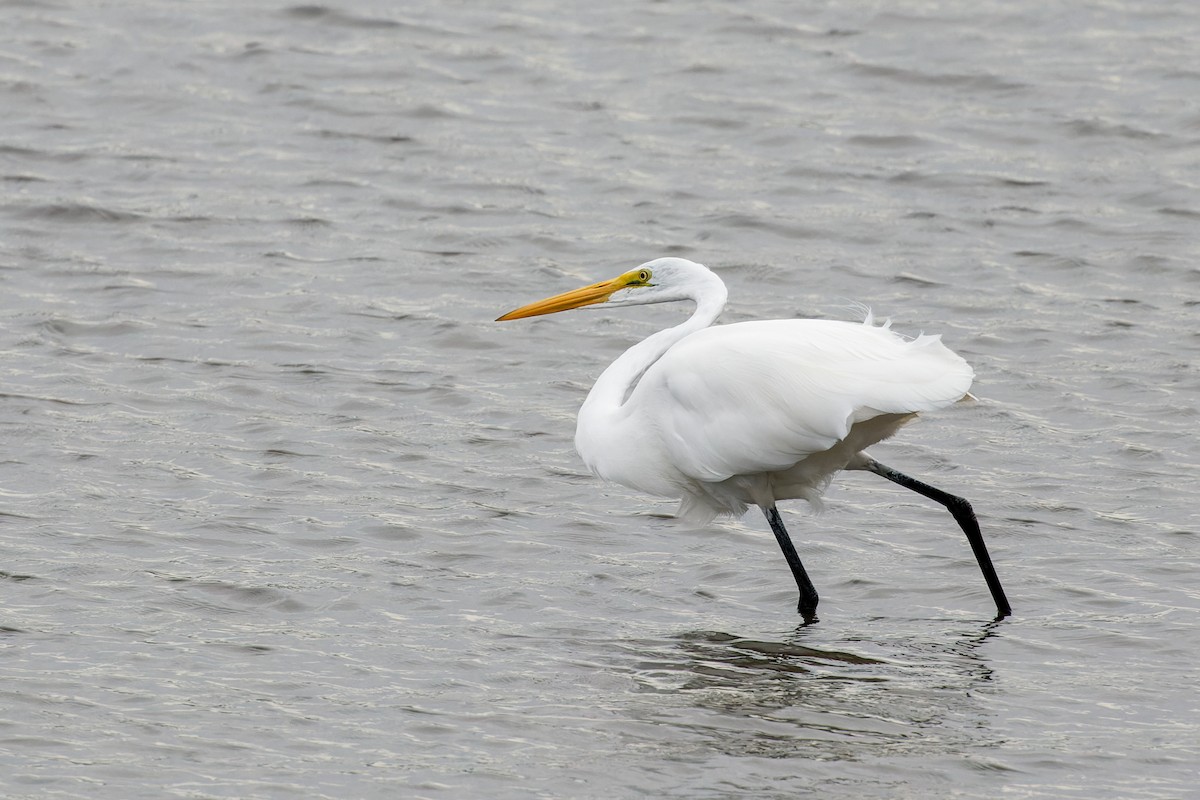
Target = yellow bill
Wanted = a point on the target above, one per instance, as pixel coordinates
(586, 296)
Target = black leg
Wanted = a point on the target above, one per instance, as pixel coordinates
(808, 593)
(964, 515)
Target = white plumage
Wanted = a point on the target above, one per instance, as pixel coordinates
(755, 412)
(761, 411)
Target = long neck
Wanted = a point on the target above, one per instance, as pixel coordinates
(617, 382)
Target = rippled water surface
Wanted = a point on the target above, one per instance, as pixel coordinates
(285, 514)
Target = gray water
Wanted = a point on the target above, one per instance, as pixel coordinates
(283, 513)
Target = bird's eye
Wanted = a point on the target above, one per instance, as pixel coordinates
(644, 276)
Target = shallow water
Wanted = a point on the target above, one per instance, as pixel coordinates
(285, 514)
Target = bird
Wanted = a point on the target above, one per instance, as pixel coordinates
(723, 417)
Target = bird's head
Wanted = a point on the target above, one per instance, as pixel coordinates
(662, 280)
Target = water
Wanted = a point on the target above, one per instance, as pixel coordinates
(284, 514)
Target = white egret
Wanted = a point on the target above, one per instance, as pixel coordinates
(756, 412)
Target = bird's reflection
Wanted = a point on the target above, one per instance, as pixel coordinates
(787, 697)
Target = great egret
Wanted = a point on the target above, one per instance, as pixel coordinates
(756, 412)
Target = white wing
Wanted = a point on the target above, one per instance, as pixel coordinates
(757, 397)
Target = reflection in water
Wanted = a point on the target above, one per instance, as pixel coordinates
(745, 696)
